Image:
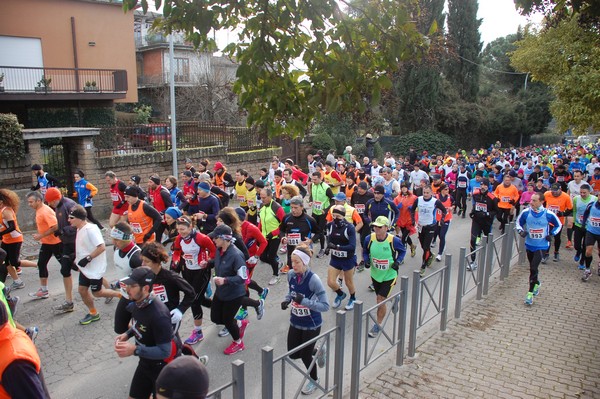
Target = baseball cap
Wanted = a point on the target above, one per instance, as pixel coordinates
(379, 189)
(340, 197)
(218, 165)
(184, 377)
(381, 221)
(132, 191)
(223, 231)
(555, 187)
(79, 213)
(141, 276)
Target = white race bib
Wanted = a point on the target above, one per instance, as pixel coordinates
(160, 292)
(299, 310)
(339, 254)
(114, 197)
(553, 208)
(505, 199)
(536, 234)
(191, 262)
(293, 239)
(381, 264)
(360, 208)
(480, 207)
(317, 206)
(594, 222)
(462, 184)
(137, 228)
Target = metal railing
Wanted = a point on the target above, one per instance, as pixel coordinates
(362, 352)
(437, 287)
(469, 279)
(332, 384)
(237, 383)
(63, 80)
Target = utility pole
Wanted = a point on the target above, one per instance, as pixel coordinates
(172, 98)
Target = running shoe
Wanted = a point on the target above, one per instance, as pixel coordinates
(223, 332)
(413, 250)
(264, 293)
(545, 258)
(242, 326)
(195, 337)
(89, 318)
(32, 332)
(322, 355)
(234, 348)
(284, 269)
(429, 261)
(576, 258)
(19, 271)
(371, 287)
(587, 273)
(241, 314)
(109, 299)
(536, 289)
(478, 241)
(115, 286)
(203, 359)
(16, 286)
(260, 310)
(374, 330)
(208, 293)
(433, 243)
(310, 387)
(529, 298)
(581, 267)
(360, 268)
(438, 257)
(321, 254)
(422, 272)
(337, 302)
(472, 266)
(274, 280)
(39, 294)
(556, 257)
(13, 304)
(350, 304)
(569, 244)
(65, 307)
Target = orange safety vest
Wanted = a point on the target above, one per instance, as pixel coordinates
(448, 205)
(219, 179)
(15, 345)
(349, 192)
(15, 235)
(278, 188)
(141, 224)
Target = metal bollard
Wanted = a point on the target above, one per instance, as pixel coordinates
(402, 320)
(267, 372)
(237, 372)
(489, 263)
(523, 253)
(446, 294)
(460, 286)
(414, 313)
(338, 367)
(504, 252)
(509, 249)
(481, 269)
(356, 348)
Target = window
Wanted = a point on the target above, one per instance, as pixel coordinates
(182, 70)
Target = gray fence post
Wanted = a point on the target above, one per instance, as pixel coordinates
(489, 263)
(509, 249)
(402, 320)
(481, 268)
(237, 372)
(522, 253)
(446, 294)
(504, 252)
(414, 313)
(460, 285)
(338, 367)
(267, 372)
(356, 349)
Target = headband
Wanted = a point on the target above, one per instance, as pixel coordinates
(119, 235)
(302, 255)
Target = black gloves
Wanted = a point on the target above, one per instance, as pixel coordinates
(298, 298)
(559, 213)
(396, 265)
(512, 202)
(331, 246)
(120, 204)
(523, 233)
(367, 265)
(88, 199)
(147, 236)
(285, 304)
(230, 195)
(84, 261)
(549, 237)
(269, 236)
(471, 215)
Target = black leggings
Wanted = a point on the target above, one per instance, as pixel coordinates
(223, 312)
(321, 222)
(406, 236)
(534, 258)
(199, 280)
(477, 228)
(270, 255)
(579, 233)
(502, 217)
(144, 378)
(67, 260)
(46, 252)
(426, 237)
(297, 337)
(91, 217)
(441, 232)
(122, 316)
(461, 200)
(11, 258)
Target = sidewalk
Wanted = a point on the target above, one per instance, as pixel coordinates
(500, 348)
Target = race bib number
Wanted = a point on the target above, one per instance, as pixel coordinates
(462, 184)
(241, 198)
(317, 206)
(579, 219)
(505, 199)
(536, 234)
(560, 178)
(381, 264)
(190, 261)
(114, 197)
(480, 207)
(251, 203)
(299, 310)
(553, 208)
(137, 228)
(293, 239)
(360, 208)
(43, 190)
(594, 222)
(160, 292)
(339, 254)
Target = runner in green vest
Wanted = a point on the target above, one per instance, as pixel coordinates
(383, 253)
(320, 200)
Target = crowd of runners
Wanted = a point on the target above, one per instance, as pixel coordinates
(194, 240)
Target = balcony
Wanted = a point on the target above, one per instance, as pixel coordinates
(147, 81)
(26, 83)
(153, 40)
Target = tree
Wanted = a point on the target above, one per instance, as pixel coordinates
(347, 49)
(588, 11)
(566, 58)
(464, 42)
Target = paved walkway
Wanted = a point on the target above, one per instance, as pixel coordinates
(500, 348)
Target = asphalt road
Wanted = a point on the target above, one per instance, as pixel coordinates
(79, 361)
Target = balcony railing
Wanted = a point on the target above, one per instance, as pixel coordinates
(163, 79)
(62, 80)
(153, 39)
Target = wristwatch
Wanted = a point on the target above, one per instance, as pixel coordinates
(89, 258)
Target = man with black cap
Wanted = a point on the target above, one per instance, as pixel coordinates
(381, 206)
(44, 180)
(90, 257)
(184, 378)
(20, 369)
(142, 217)
(151, 328)
(483, 213)
(208, 209)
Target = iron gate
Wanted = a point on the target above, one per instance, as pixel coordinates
(57, 162)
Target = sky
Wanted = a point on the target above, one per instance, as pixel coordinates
(500, 18)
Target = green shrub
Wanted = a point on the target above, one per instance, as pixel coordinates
(99, 117)
(323, 141)
(11, 136)
(143, 113)
(42, 117)
(431, 141)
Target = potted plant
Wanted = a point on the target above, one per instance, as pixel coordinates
(90, 86)
(43, 86)
(1, 82)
